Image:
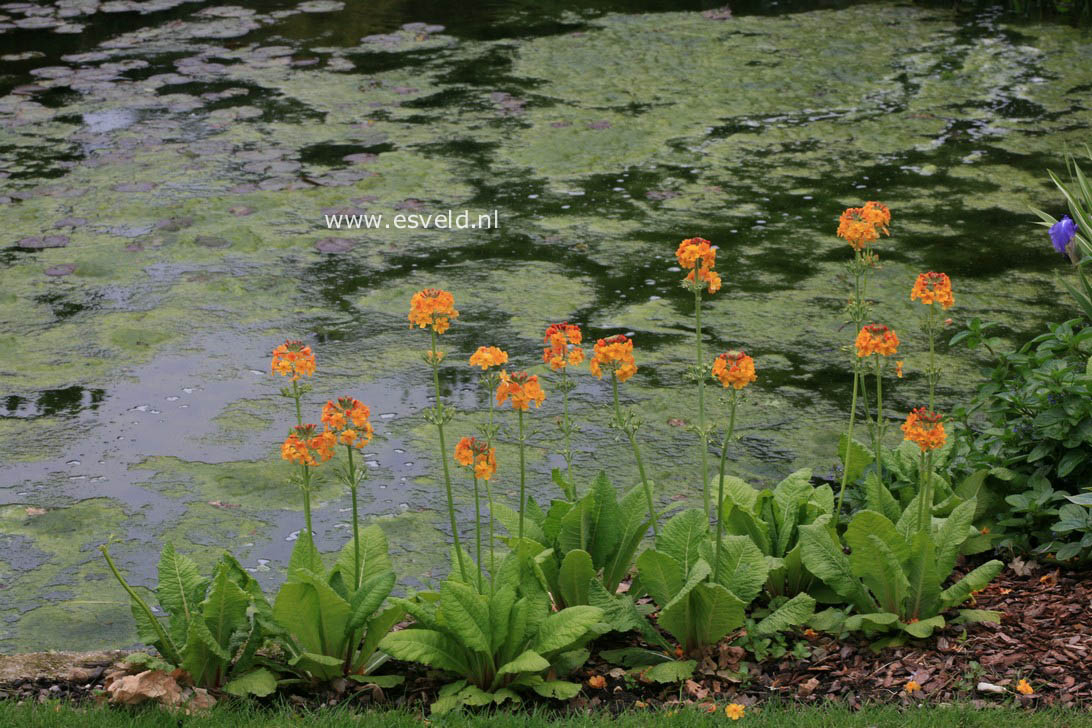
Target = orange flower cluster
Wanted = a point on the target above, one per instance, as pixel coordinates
(876, 339)
(305, 446)
(616, 354)
(522, 388)
(925, 428)
(699, 257)
(861, 226)
(473, 453)
(933, 287)
(563, 346)
(348, 418)
(488, 356)
(734, 370)
(292, 357)
(432, 307)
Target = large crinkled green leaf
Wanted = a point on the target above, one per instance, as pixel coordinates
(260, 683)
(528, 661)
(870, 523)
(661, 575)
(518, 634)
(824, 557)
(879, 499)
(305, 555)
(224, 609)
(978, 579)
(925, 579)
(377, 628)
(429, 647)
(881, 571)
(308, 608)
(855, 458)
(181, 586)
(717, 612)
(739, 493)
(620, 612)
(677, 614)
(558, 689)
(510, 520)
(872, 621)
(500, 611)
(575, 577)
(924, 627)
(465, 614)
(739, 522)
(742, 569)
(672, 671)
(953, 531)
(204, 660)
(369, 597)
(681, 537)
(792, 613)
(565, 628)
(374, 557)
(606, 520)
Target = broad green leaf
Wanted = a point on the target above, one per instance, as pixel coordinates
(378, 627)
(428, 647)
(181, 587)
(717, 612)
(953, 531)
(383, 681)
(879, 499)
(823, 499)
(565, 662)
(620, 612)
(575, 576)
(500, 612)
(565, 628)
(369, 597)
(466, 615)
(681, 537)
(374, 557)
(260, 682)
(870, 523)
(674, 671)
(879, 568)
(634, 657)
(978, 579)
(677, 615)
(974, 487)
(855, 460)
(742, 523)
(510, 520)
(305, 555)
(873, 621)
(149, 634)
(224, 609)
(559, 689)
(924, 627)
(793, 613)
(528, 661)
(606, 518)
(661, 575)
(313, 612)
(620, 561)
(742, 568)
(925, 578)
(518, 634)
(551, 525)
(738, 492)
(824, 558)
(202, 658)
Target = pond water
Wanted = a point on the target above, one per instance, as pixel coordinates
(165, 170)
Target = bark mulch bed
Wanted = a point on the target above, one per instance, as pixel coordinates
(1045, 637)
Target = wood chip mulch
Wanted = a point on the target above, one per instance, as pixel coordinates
(1045, 638)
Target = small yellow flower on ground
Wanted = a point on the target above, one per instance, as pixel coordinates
(1024, 687)
(912, 687)
(735, 711)
(597, 681)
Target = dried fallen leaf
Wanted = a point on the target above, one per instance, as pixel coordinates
(148, 685)
(35, 511)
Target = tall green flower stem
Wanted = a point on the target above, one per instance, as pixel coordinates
(478, 529)
(566, 385)
(849, 442)
(522, 471)
(858, 310)
(723, 458)
(933, 373)
(703, 436)
(925, 502)
(440, 416)
(352, 479)
(880, 424)
(629, 425)
(492, 381)
(305, 474)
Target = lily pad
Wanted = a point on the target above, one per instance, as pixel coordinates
(64, 269)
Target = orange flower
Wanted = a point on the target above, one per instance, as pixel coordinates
(734, 711)
(292, 357)
(933, 287)
(304, 443)
(912, 687)
(861, 226)
(734, 370)
(522, 388)
(338, 416)
(693, 250)
(564, 346)
(708, 277)
(597, 681)
(471, 452)
(898, 369)
(876, 339)
(616, 354)
(1024, 687)
(432, 307)
(925, 428)
(488, 356)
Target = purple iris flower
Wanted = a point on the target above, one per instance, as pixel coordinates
(1062, 232)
